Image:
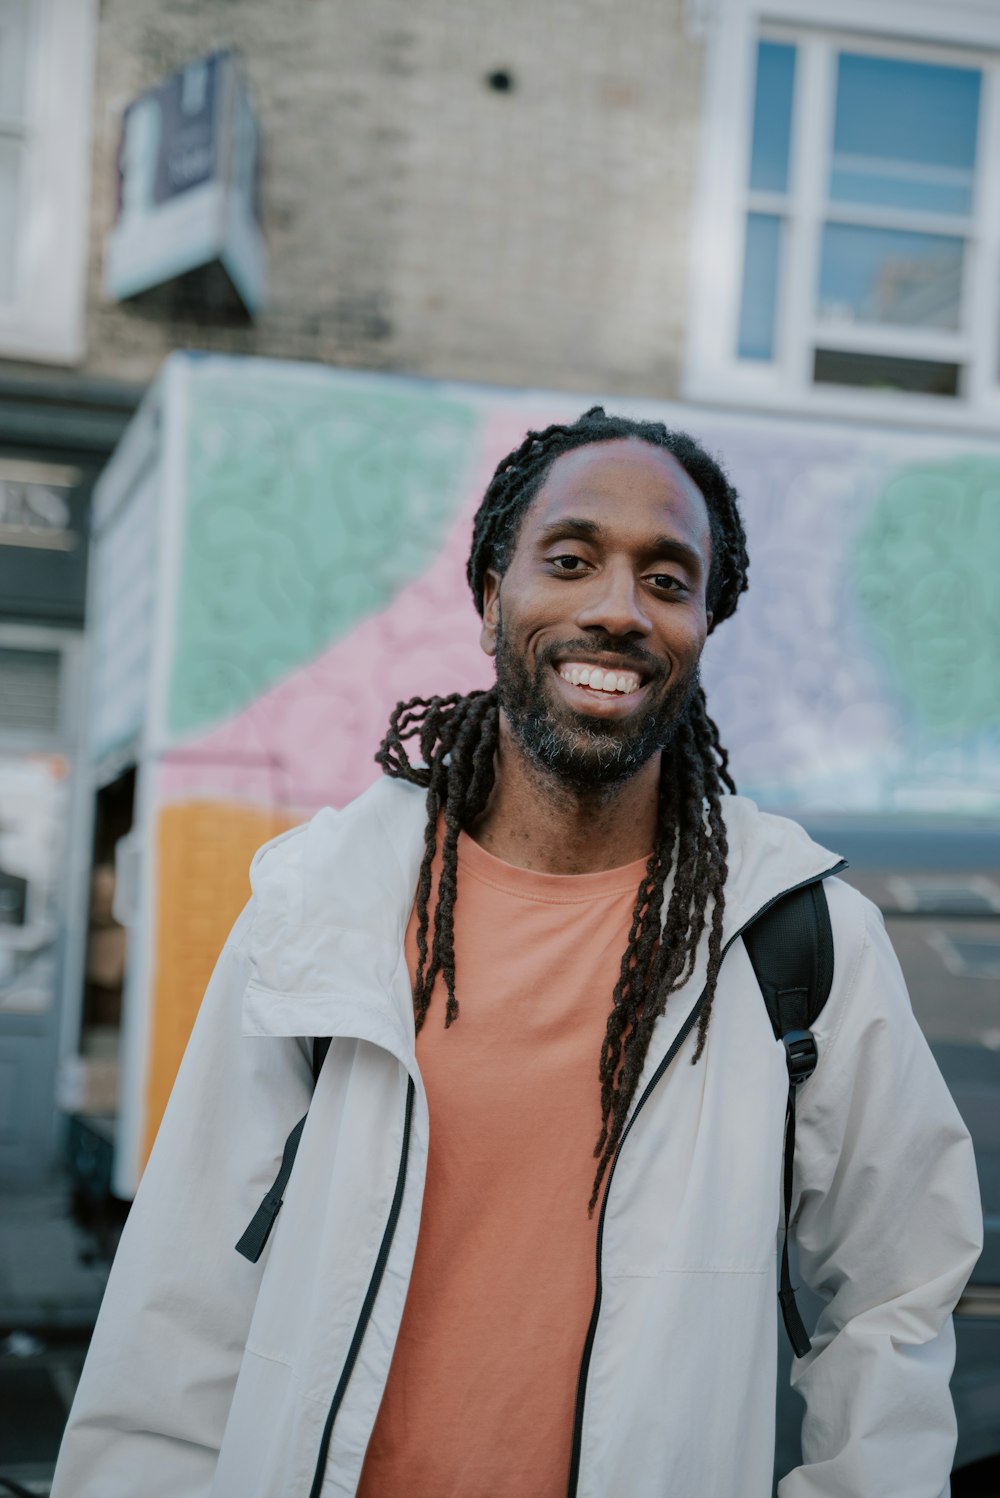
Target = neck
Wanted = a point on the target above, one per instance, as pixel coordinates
(535, 820)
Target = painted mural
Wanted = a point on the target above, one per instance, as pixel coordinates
(862, 672)
(324, 520)
(302, 518)
(323, 578)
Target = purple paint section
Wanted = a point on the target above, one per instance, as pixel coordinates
(790, 679)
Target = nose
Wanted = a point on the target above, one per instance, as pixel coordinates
(612, 601)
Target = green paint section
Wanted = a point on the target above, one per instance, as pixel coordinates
(926, 570)
(308, 508)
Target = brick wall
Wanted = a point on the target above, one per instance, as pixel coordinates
(418, 219)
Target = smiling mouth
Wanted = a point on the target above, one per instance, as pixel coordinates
(606, 682)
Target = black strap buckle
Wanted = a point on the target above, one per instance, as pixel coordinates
(801, 1054)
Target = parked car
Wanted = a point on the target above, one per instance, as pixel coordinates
(938, 888)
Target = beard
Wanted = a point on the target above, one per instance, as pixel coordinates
(579, 750)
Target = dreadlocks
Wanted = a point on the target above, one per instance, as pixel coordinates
(458, 736)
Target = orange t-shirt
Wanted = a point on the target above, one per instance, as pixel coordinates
(482, 1389)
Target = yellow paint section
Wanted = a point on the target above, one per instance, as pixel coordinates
(203, 858)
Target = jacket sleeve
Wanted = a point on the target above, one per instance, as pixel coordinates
(156, 1388)
(888, 1227)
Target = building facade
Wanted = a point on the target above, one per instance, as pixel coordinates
(782, 221)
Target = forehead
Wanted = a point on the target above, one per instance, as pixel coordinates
(625, 485)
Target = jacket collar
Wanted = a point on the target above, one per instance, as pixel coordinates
(332, 900)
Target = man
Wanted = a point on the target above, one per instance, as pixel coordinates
(425, 1318)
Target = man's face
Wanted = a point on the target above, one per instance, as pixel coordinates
(608, 576)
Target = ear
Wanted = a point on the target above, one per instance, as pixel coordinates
(710, 619)
(491, 612)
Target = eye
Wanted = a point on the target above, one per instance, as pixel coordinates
(666, 582)
(567, 563)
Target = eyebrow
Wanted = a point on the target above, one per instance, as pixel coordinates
(590, 530)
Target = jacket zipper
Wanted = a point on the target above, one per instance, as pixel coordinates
(369, 1300)
(685, 1030)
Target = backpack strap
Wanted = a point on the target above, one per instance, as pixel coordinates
(790, 946)
(320, 1047)
(251, 1244)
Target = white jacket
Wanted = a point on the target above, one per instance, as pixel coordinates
(209, 1375)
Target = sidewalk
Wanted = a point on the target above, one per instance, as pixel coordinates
(51, 1283)
(46, 1283)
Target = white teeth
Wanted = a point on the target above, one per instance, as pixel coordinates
(598, 680)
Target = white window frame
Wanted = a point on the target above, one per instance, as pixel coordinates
(964, 32)
(45, 320)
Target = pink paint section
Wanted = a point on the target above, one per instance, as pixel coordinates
(310, 740)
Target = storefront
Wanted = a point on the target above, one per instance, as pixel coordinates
(55, 435)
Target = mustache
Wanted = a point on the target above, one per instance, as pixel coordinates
(608, 646)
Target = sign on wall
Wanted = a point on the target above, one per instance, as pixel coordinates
(187, 185)
(43, 545)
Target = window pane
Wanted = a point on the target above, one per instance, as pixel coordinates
(772, 117)
(890, 276)
(885, 372)
(905, 134)
(13, 58)
(760, 286)
(10, 173)
(29, 689)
